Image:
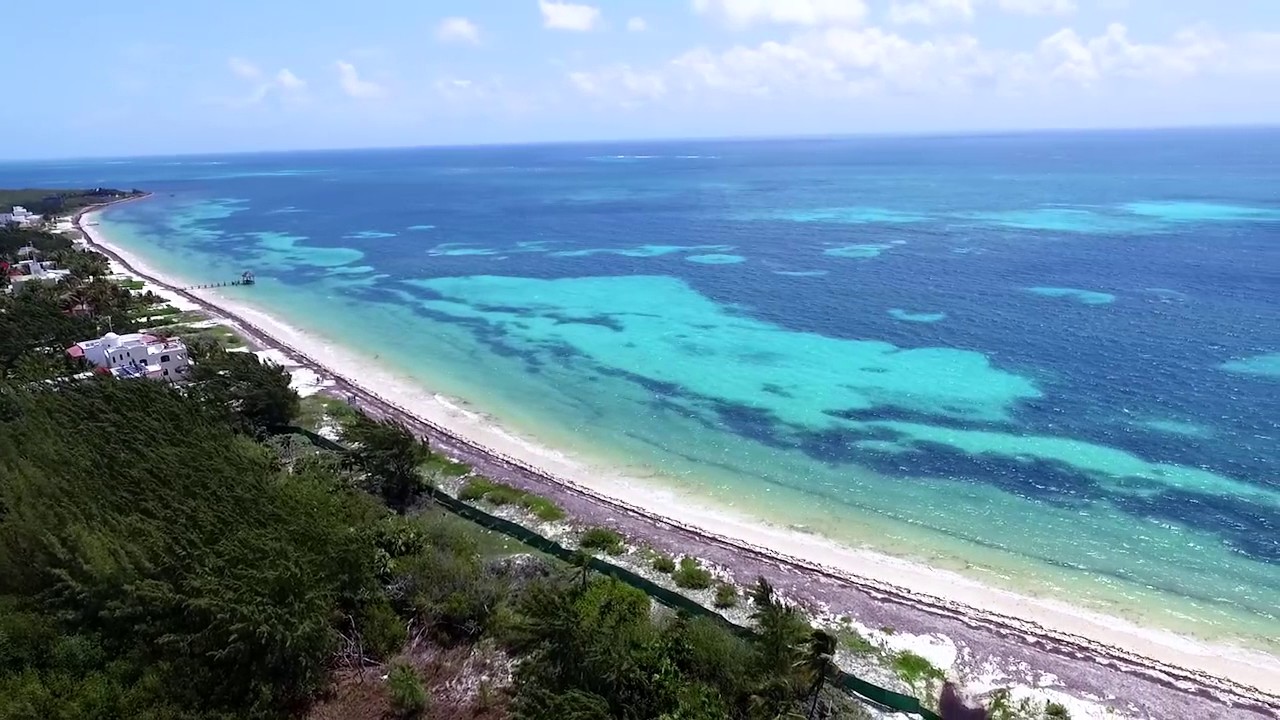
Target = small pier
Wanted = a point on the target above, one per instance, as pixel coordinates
(246, 278)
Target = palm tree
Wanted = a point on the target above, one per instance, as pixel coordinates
(781, 633)
(582, 565)
(77, 300)
(822, 647)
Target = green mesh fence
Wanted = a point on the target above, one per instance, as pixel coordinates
(666, 596)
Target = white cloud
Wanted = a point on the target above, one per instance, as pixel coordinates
(243, 68)
(462, 90)
(1038, 7)
(621, 84)
(283, 84)
(768, 69)
(891, 61)
(842, 62)
(458, 29)
(568, 16)
(637, 24)
(286, 80)
(1112, 54)
(355, 86)
(741, 13)
(929, 12)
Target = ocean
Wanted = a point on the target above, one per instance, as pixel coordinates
(1050, 361)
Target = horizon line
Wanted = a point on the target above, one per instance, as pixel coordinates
(922, 134)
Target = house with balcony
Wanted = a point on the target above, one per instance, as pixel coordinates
(136, 355)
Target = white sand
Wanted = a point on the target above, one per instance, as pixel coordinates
(959, 594)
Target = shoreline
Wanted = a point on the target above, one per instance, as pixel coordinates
(925, 596)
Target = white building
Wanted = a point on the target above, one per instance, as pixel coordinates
(36, 271)
(19, 216)
(136, 355)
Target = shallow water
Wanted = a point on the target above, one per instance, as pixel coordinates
(1049, 361)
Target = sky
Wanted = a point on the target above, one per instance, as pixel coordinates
(155, 78)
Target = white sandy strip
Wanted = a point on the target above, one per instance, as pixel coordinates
(964, 595)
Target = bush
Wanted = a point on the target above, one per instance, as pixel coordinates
(912, 668)
(599, 538)
(1056, 711)
(726, 596)
(408, 697)
(381, 631)
(691, 575)
(496, 493)
(96, 613)
(439, 464)
(664, 564)
(475, 489)
(857, 642)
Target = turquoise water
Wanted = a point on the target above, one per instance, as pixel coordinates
(1047, 361)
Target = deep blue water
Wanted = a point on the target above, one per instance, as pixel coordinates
(1096, 317)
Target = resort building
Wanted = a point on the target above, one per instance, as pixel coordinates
(35, 271)
(136, 355)
(19, 216)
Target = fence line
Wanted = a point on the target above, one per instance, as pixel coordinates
(844, 680)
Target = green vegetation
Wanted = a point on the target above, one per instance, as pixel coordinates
(596, 651)
(316, 410)
(131, 284)
(132, 563)
(408, 697)
(1056, 711)
(855, 641)
(603, 539)
(915, 671)
(215, 336)
(388, 455)
(255, 396)
(691, 575)
(496, 493)
(726, 596)
(48, 202)
(154, 312)
(40, 322)
(444, 467)
(1002, 707)
(664, 564)
(13, 239)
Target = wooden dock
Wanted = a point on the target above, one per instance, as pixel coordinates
(246, 278)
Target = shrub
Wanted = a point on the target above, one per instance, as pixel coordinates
(912, 668)
(691, 575)
(382, 632)
(726, 596)
(664, 564)
(441, 465)
(1056, 711)
(475, 489)
(496, 493)
(600, 538)
(857, 642)
(542, 508)
(408, 697)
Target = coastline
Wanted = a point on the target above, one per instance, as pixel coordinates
(1050, 626)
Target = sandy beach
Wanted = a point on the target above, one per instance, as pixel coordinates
(1151, 673)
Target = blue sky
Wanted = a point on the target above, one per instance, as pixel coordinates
(179, 77)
